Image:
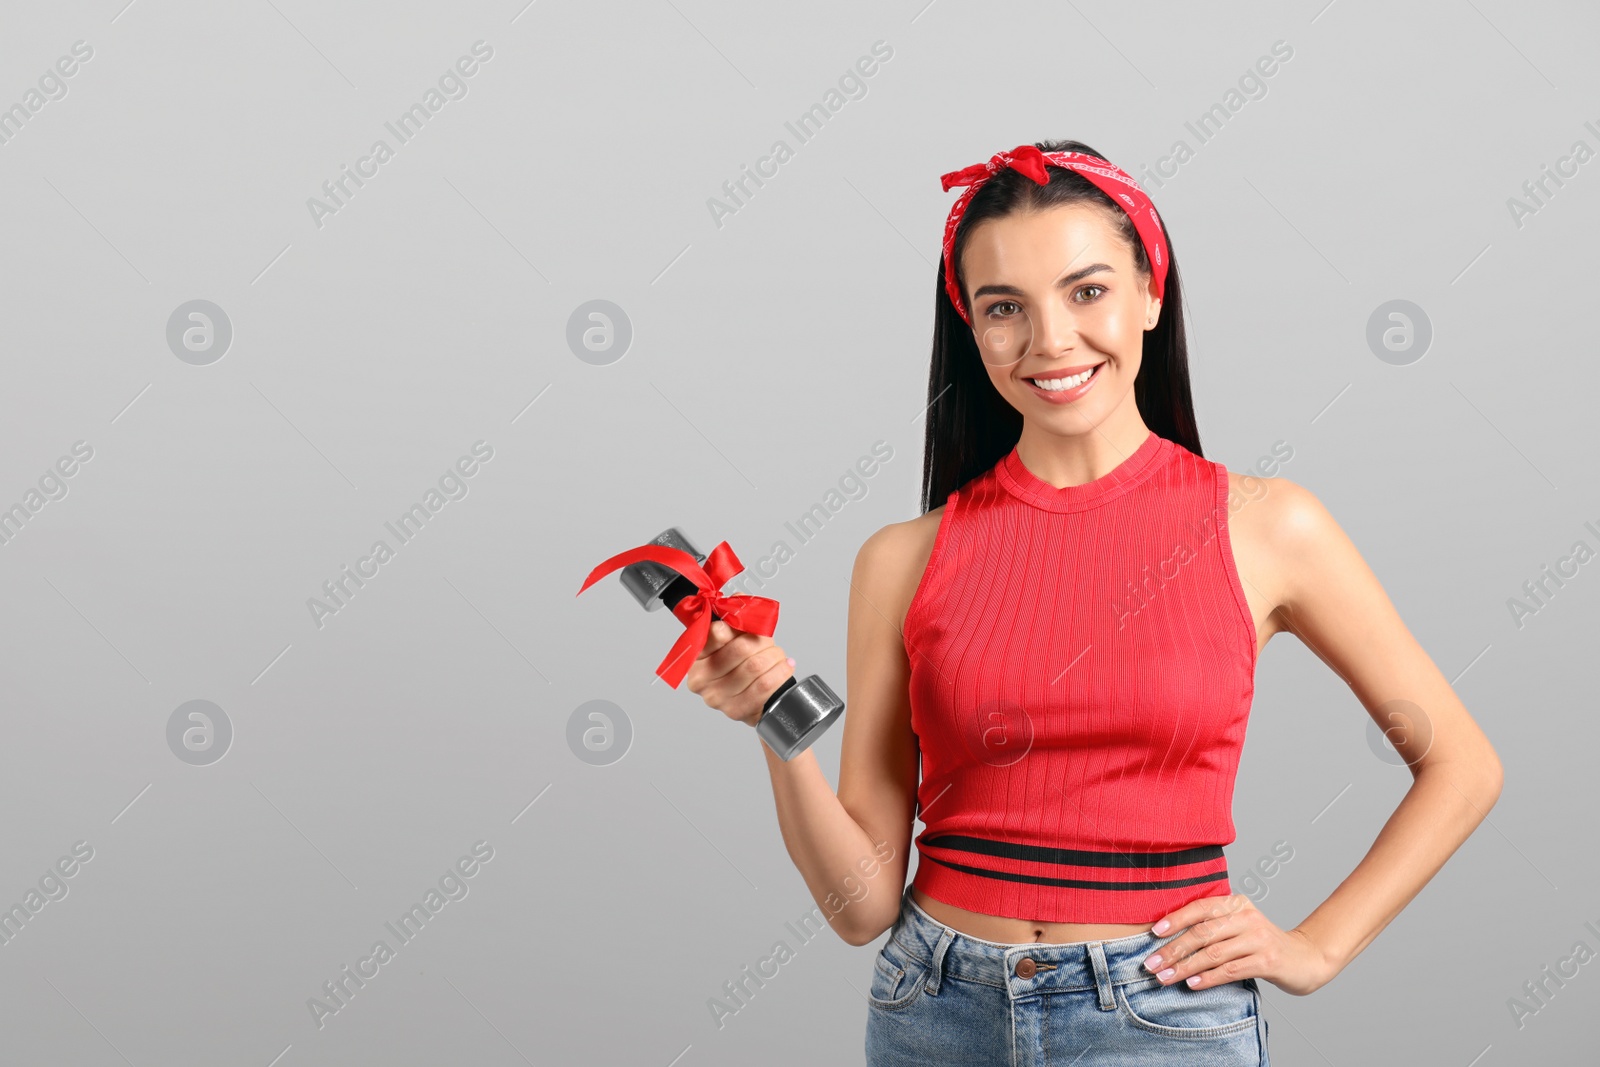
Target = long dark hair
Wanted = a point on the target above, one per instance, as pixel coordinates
(970, 427)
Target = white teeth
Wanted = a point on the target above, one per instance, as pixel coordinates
(1055, 385)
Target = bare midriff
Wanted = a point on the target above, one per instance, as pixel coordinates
(1022, 931)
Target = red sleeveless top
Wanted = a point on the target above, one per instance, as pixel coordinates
(1082, 667)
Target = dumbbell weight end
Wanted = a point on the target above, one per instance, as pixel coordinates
(798, 713)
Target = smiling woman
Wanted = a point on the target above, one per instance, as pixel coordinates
(1073, 760)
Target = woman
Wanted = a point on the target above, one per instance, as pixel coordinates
(1066, 644)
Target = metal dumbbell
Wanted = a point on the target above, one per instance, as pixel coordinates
(794, 716)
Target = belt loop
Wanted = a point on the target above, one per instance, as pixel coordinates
(936, 969)
(1102, 975)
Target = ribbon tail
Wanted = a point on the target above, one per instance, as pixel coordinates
(685, 650)
(673, 558)
(964, 176)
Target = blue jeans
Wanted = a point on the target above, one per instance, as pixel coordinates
(941, 997)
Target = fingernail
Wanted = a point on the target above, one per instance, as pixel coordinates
(1193, 980)
(1153, 962)
(1168, 973)
(791, 661)
(1160, 927)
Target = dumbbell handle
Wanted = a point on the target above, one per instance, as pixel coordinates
(681, 587)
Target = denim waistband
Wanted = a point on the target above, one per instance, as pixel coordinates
(1057, 967)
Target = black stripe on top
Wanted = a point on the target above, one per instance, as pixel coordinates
(1083, 883)
(1076, 857)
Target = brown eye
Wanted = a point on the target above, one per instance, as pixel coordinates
(1101, 288)
(996, 309)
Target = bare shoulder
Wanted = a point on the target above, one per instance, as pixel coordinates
(1283, 515)
(890, 563)
(1278, 529)
(1334, 603)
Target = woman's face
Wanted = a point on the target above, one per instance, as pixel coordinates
(1054, 296)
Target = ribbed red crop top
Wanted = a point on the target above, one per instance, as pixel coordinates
(1082, 668)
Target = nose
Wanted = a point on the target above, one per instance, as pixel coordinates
(1055, 330)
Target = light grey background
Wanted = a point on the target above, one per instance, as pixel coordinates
(768, 354)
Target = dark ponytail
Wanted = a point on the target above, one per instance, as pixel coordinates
(970, 427)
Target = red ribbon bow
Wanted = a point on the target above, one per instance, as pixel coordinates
(742, 611)
(1025, 158)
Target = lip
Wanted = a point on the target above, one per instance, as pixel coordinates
(1065, 396)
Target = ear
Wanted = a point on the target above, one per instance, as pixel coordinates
(1152, 308)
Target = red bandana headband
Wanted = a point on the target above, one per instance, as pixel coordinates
(1027, 159)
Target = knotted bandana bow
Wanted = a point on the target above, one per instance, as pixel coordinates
(1029, 160)
(1025, 158)
(742, 611)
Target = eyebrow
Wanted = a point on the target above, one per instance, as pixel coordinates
(1075, 276)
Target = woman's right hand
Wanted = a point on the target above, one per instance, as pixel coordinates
(736, 672)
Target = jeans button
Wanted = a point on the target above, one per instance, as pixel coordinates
(1026, 968)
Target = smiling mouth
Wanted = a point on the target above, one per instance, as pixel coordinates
(1062, 384)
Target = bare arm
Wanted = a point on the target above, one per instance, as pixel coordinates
(1333, 602)
(850, 847)
(1323, 592)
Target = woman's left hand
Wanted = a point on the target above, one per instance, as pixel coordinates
(1228, 939)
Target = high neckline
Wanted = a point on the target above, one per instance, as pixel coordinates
(1029, 487)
